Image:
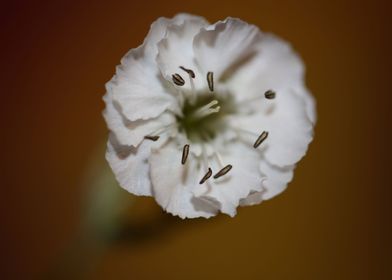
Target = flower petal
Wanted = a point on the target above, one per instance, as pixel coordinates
(275, 66)
(176, 50)
(276, 178)
(158, 31)
(290, 130)
(253, 198)
(274, 182)
(223, 44)
(310, 104)
(130, 165)
(132, 132)
(173, 184)
(243, 178)
(137, 86)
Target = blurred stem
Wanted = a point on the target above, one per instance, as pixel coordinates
(103, 207)
(104, 221)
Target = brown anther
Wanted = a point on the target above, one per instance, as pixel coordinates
(208, 175)
(178, 80)
(185, 153)
(210, 80)
(260, 139)
(223, 171)
(189, 71)
(152, 138)
(270, 94)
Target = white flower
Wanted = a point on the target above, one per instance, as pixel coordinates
(207, 117)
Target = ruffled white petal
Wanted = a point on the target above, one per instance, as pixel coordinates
(223, 44)
(275, 180)
(138, 86)
(176, 50)
(290, 130)
(310, 104)
(158, 31)
(131, 133)
(173, 184)
(139, 90)
(253, 198)
(276, 66)
(130, 166)
(243, 178)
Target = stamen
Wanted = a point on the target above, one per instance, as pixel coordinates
(193, 94)
(189, 71)
(270, 94)
(163, 129)
(206, 110)
(185, 153)
(260, 139)
(223, 171)
(218, 158)
(178, 80)
(210, 80)
(152, 138)
(208, 175)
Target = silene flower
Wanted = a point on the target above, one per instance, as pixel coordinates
(206, 117)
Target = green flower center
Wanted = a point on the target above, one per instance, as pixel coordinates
(203, 119)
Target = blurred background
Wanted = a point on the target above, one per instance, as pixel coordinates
(333, 222)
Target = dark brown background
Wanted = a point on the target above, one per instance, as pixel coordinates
(333, 222)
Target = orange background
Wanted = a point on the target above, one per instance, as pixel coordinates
(334, 220)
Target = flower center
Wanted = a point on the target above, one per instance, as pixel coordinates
(203, 118)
